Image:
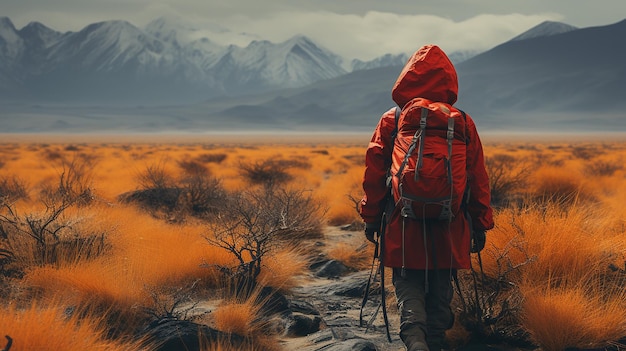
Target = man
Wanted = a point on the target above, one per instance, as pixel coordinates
(424, 254)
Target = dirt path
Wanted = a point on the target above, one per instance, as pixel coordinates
(340, 313)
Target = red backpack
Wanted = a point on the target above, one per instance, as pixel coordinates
(428, 170)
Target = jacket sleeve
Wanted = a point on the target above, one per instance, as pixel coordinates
(479, 203)
(377, 162)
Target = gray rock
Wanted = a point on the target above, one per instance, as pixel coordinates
(303, 307)
(302, 325)
(174, 335)
(332, 269)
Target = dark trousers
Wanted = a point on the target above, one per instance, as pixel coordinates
(424, 316)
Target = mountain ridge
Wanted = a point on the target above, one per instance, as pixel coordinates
(543, 81)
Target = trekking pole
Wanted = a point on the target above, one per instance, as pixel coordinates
(383, 299)
(372, 276)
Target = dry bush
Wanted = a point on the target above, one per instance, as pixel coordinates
(321, 152)
(172, 303)
(201, 193)
(156, 176)
(157, 190)
(195, 193)
(75, 182)
(601, 168)
(192, 167)
(47, 234)
(259, 221)
(586, 152)
(33, 238)
(211, 158)
(13, 189)
(265, 172)
(271, 172)
(507, 177)
(48, 328)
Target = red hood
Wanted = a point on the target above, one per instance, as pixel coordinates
(428, 74)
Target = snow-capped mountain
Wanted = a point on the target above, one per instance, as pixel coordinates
(11, 44)
(382, 61)
(173, 31)
(115, 60)
(523, 82)
(545, 29)
(39, 35)
(288, 64)
(108, 46)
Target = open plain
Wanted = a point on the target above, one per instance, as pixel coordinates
(104, 237)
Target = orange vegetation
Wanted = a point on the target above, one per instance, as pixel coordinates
(560, 235)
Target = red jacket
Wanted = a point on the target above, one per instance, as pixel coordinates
(428, 74)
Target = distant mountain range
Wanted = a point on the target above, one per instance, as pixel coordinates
(113, 76)
(115, 61)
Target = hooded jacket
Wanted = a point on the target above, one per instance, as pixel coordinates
(430, 75)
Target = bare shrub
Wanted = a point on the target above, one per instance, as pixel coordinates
(52, 155)
(76, 180)
(294, 163)
(169, 303)
(195, 193)
(258, 221)
(586, 152)
(211, 158)
(155, 176)
(157, 189)
(72, 148)
(202, 193)
(507, 175)
(601, 168)
(12, 188)
(192, 167)
(269, 172)
(43, 229)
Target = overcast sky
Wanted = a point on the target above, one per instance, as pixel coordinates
(361, 29)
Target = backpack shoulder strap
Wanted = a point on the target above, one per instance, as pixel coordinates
(467, 141)
(395, 130)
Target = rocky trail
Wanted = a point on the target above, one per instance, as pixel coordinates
(321, 314)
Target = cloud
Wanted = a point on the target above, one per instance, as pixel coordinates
(375, 33)
(365, 35)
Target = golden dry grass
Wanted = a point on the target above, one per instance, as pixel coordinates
(557, 247)
(47, 328)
